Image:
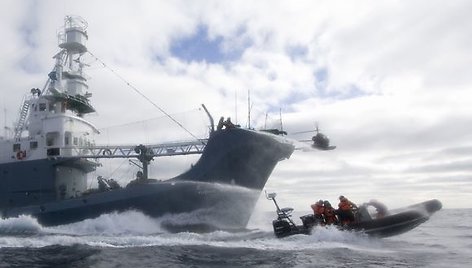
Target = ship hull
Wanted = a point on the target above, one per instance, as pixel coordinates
(221, 188)
(218, 205)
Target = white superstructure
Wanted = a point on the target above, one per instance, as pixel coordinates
(51, 120)
(52, 143)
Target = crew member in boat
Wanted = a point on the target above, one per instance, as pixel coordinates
(318, 210)
(329, 213)
(379, 207)
(345, 211)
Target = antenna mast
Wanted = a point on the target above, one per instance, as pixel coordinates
(249, 109)
(265, 122)
(5, 122)
(281, 125)
(236, 106)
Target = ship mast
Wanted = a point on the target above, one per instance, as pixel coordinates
(56, 112)
(68, 81)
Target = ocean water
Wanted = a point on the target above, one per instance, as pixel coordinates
(132, 239)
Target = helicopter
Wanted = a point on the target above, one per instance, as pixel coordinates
(320, 140)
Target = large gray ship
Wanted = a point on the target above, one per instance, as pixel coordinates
(45, 164)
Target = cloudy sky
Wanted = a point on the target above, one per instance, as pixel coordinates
(385, 80)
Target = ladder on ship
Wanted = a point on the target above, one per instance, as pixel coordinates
(23, 114)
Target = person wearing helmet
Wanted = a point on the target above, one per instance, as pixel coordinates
(318, 211)
(345, 212)
(329, 213)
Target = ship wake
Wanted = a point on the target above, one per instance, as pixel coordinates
(134, 229)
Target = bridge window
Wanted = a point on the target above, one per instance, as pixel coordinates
(52, 107)
(16, 147)
(67, 138)
(52, 138)
(52, 151)
(33, 144)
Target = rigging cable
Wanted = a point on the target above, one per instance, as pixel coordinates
(146, 120)
(145, 97)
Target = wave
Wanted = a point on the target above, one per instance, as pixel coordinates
(125, 223)
(23, 225)
(134, 229)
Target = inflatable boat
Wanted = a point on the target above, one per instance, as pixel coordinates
(396, 221)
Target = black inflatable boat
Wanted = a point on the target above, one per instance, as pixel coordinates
(396, 222)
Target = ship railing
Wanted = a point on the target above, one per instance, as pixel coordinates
(128, 151)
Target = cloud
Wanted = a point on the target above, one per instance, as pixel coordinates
(387, 81)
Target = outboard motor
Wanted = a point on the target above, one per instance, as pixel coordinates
(283, 225)
(309, 221)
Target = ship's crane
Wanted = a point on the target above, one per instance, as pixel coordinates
(144, 153)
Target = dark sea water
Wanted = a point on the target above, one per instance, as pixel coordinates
(132, 239)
